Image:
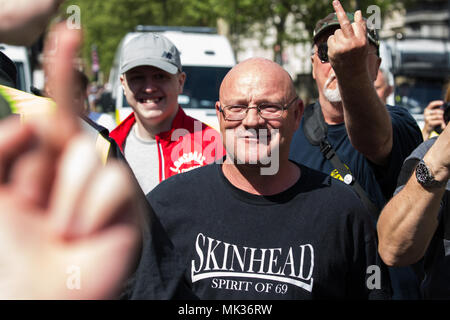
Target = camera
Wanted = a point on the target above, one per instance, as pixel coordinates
(446, 108)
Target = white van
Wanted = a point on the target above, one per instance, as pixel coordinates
(19, 56)
(206, 57)
(421, 69)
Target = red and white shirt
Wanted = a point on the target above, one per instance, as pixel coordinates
(187, 145)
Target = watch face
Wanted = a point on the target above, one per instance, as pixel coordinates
(425, 177)
(422, 173)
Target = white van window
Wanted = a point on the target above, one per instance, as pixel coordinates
(202, 86)
(415, 93)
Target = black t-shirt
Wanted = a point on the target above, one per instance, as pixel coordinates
(312, 241)
(378, 182)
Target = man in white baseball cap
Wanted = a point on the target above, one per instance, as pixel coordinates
(153, 50)
(158, 130)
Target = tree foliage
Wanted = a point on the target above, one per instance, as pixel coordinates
(105, 23)
(290, 21)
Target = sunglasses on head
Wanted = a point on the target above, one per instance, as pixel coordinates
(322, 52)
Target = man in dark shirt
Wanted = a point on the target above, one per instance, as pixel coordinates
(371, 139)
(259, 226)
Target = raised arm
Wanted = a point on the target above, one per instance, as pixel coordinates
(356, 65)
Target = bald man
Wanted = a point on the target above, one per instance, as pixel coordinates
(256, 225)
(382, 86)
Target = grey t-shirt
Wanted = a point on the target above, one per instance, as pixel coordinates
(142, 155)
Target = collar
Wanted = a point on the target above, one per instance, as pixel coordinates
(177, 122)
(121, 132)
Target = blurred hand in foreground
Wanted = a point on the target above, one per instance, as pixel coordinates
(68, 225)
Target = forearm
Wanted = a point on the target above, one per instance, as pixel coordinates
(366, 118)
(407, 224)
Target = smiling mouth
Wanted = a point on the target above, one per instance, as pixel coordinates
(148, 101)
(255, 135)
(256, 138)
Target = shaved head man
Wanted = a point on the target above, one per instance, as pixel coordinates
(263, 135)
(245, 233)
(382, 85)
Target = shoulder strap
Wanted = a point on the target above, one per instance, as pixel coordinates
(314, 125)
(100, 134)
(315, 130)
(102, 145)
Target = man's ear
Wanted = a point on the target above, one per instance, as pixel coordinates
(300, 108)
(220, 118)
(181, 80)
(312, 67)
(374, 73)
(218, 113)
(123, 81)
(389, 90)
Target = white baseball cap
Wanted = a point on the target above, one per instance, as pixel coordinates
(150, 49)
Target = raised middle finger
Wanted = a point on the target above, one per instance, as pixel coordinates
(344, 22)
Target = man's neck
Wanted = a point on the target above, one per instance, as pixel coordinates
(148, 131)
(333, 113)
(249, 178)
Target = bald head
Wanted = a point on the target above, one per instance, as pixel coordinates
(261, 88)
(256, 75)
(382, 86)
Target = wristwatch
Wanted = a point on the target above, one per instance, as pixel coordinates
(425, 177)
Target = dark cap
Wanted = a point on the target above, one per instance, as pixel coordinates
(331, 23)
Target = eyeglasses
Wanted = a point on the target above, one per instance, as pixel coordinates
(268, 111)
(322, 52)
